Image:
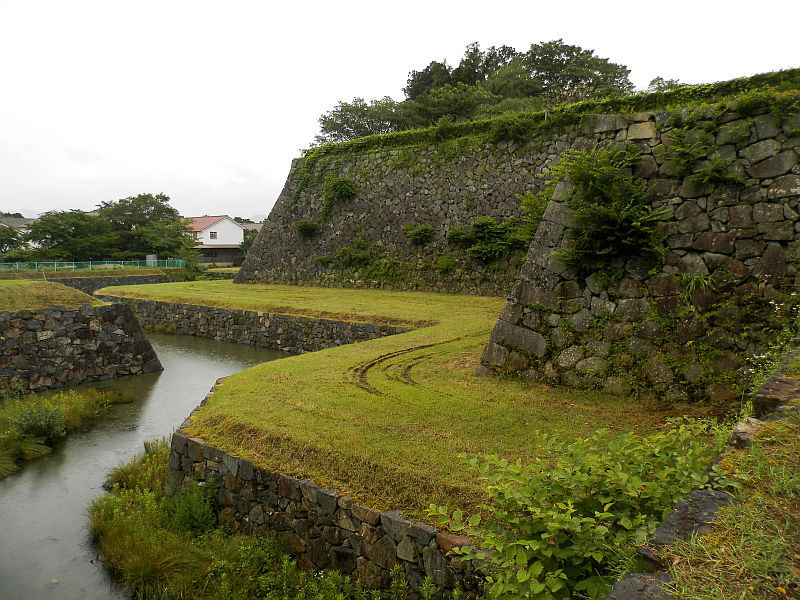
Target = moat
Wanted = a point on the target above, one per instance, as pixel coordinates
(46, 549)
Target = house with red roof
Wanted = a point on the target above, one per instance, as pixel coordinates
(217, 237)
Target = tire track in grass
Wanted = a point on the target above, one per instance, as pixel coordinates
(398, 370)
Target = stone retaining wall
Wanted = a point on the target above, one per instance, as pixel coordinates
(323, 529)
(89, 285)
(58, 347)
(289, 333)
(685, 328)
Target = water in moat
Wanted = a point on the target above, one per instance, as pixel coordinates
(45, 547)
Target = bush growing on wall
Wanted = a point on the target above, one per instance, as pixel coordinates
(419, 235)
(487, 240)
(306, 228)
(612, 216)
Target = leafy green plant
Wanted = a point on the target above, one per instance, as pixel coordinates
(692, 284)
(487, 240)
(444, 128)
(510, 127)
(556, 527)
(357, 256)
(187, 508)
(41, 420)
(419, 235)
(445, 264)
(335, 189)
(716, 170)
(612, 217)
(533, 207)
(306, 228)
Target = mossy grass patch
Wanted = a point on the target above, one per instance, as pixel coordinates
(753, 549)
(385, 420)
(25, 294)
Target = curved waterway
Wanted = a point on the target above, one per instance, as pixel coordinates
(45, 547)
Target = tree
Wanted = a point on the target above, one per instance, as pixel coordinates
(435, 75)
(146, 224)
(351, 120)
(460, 101)
(659, 84)
(243, 220)
(10, 239)
(476, 66)
(567, 73)
(72, 235)
(244, 247)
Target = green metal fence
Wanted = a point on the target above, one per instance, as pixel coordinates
(91, 265)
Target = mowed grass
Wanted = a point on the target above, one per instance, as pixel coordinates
(386, 420)
(26, 294)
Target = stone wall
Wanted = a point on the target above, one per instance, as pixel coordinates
(58, 347)
(290, 333)
(89, 285)
(323, 529)
(683, 329)
(411, 186)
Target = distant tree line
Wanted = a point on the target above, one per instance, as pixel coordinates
(127, 229)
(485, 83)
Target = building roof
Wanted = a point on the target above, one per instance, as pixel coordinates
(206, 221)
(16, 222)
(256, 226)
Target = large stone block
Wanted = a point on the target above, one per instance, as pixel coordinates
(519, 337)
(772, 167)
(721, 243)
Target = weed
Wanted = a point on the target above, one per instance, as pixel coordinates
(419, 235)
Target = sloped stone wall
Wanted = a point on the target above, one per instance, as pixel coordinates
(290, 333)
(89, 285)
(687, 328)
(415, 186)
(59, 347)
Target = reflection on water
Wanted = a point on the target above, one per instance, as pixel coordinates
(45, 549)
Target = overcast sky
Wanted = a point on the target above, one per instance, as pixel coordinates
(208, 102)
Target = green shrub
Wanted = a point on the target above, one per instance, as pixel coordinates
(510, 127)
(39, 419)
(445, 264)
(487, 240)
(558, 527)
(338, 188)
(187, 508)
(306, 228)
(533, 207)
(612, 218)
(419, 235)
(358, 256)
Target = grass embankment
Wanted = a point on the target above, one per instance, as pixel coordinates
(386, 420)
(24, 294)
(753, 551)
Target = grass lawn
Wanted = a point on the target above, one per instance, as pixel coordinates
(386, 420)
(19, 294)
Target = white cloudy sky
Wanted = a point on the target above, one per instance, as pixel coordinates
(208, 102)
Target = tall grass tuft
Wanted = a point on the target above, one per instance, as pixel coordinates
(30, 425)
